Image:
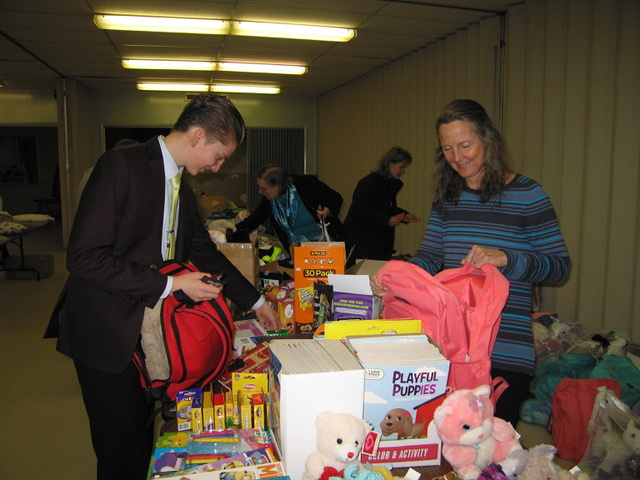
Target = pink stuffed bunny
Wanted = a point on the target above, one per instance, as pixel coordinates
(472, 437)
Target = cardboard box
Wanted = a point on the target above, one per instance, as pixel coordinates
(189, 410)
(244, 256)
(33, 264)
(208, 413)
(330, 378)
(345, 328)
(353, 298)
(366, 267)
(405, 381)
(313, 261)
(208, 205)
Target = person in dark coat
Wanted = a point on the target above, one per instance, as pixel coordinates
(120, 236)
(294, 204)
(374, 214)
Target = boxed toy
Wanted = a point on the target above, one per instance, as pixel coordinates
(353, 298)
(405, 381)
(313, 261)
(189, 410)
(282, 301)
(346, 328)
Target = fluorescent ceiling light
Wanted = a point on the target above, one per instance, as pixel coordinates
(168, 65)
(161, 24)
(192, 87)
(174, 87)
(261, 68)
(223, 27)
(244, 89)
(211, 66)
(287, 30)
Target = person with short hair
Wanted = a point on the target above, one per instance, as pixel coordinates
(120, 236)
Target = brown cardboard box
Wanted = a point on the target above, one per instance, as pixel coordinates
(244, 257)
(210, 204)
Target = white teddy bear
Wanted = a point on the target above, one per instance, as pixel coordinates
(339, 441)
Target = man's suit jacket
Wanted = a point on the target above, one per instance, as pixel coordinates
(115, 244)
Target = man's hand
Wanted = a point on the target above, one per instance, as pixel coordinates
(268, 318)
(193, 286)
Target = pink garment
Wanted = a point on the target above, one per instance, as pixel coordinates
(460, 309)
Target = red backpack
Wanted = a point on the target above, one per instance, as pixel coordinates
(572, 402)
(184, 344)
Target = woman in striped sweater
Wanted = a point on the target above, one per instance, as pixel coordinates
(484, 213)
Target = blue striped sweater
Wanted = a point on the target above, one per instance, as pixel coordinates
(523, 224)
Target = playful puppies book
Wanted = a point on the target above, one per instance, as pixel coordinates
(405, 380)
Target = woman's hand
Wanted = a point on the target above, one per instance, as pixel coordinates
(396, 219)
(193, 286)
(478, 256)
(376, 287)
(410, 217)
(322, 212)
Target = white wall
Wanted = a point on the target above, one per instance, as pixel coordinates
(570, 120)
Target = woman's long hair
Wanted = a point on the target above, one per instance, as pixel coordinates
(448, 182)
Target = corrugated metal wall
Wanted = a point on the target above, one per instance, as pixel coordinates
(570, 114)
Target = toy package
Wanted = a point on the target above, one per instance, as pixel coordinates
(613, 450)
(405, 381)
(313, 261)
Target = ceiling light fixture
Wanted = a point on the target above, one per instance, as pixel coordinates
(192, 87)
(174, 87)
(245, 89)
(287, 30)
(262, 68)
(211, 66)
(168, 64)
(161, 24)
(224, 27)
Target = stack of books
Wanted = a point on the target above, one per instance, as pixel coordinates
(309, 376)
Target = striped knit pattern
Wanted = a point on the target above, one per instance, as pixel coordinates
(523, 224)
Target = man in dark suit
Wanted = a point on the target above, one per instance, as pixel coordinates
(120, 234)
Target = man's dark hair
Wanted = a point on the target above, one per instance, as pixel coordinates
(215, 114)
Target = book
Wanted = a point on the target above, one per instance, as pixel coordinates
(405, 381)
(309, 376)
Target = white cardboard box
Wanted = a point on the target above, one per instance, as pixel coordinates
(405, 381)
(299, 391)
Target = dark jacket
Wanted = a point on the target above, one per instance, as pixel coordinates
(366, 225)
(313, 193)
(115, 241)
